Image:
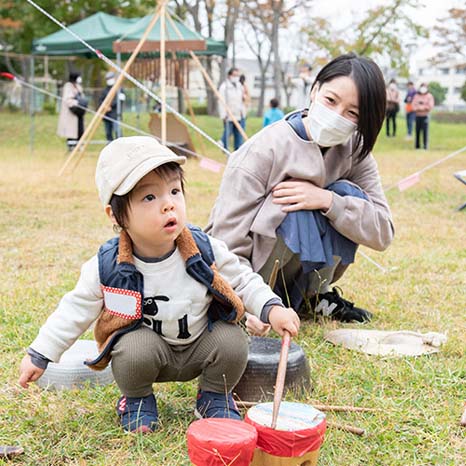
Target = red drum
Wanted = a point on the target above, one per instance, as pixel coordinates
(299, 434)
(220, 442)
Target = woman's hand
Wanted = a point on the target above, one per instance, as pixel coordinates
(284, 318)
(256, 327)
(297, 194)
(28, 372)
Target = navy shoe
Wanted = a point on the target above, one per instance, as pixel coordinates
(212, 404)
(138, 414)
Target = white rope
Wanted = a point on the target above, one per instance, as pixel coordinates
(129, 77)
(124, 125)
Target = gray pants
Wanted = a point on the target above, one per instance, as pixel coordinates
(142, 357)
(318, 281)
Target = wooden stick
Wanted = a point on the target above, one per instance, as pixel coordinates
(281, 374)
(274, 274)
(211, 84)
(347, 428)
(335, 408)
(193, 119)
(90, 130)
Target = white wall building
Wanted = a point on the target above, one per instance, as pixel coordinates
(451, 75)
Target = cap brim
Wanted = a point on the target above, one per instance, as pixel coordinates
(143, 169)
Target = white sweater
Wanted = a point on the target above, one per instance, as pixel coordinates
(187, 303)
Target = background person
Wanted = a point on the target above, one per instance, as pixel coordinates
(307, 191)
(233, 94)
(274, 113)
(393, 107)
(112, 128)
(246, 99)
(423, 103)
(410, 113)
(71, 124)
(303, 83)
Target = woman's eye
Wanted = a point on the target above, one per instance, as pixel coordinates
(330, 100)
(353, 115)
(149, 197)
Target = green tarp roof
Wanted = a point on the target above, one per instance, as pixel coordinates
(101, 30)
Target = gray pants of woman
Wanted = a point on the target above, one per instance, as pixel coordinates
(142, 357)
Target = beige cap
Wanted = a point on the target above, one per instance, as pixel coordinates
(124, 161)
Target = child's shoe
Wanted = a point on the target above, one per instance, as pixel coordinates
(211, 404)
(138, 414)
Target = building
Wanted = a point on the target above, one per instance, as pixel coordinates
(451, 75)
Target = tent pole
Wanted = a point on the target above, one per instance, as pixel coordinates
(211, 84)
(91, 129)
(163, 89)
(31, 106)
(118, 128)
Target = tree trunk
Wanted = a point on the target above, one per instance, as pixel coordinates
(277, 68)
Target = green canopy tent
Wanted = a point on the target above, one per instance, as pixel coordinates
(101, 30)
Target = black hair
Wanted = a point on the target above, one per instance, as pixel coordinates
(74, 75)
(410, 82)
(232, 70)
(274, 103)
(370, 84)
(122, 204)
(242, 79)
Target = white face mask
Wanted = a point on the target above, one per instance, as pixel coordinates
(79, 80)
(423, 89)
(234, 79)
(327, 127)
(110, 82)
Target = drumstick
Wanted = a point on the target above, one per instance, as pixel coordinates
(281, 374)
(274, 274)
(347, 428)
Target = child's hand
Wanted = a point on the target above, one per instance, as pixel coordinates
(28, 372)
(256, 327)
(284, 318)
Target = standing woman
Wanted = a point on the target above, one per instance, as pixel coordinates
(423, 103)
(307, 191)
(393, 107)
(71, 117)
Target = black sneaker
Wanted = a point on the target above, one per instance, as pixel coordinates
(332, 305)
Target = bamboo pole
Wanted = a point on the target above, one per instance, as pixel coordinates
(91, 129)
(211, 84)
(163, 76)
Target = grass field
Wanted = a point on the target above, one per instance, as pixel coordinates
(50, 225)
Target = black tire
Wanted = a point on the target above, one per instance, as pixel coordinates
(258, 381)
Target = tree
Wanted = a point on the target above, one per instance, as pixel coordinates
(463, 92)
(451, 35)
(438, 92)
(384, 32)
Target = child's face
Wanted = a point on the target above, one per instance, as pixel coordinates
(156, 215)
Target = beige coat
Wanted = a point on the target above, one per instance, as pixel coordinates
(245, 217)
(68, 121)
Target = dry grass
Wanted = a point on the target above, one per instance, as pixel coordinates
(49, 225)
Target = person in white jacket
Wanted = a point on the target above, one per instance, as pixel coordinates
(232, 92)
(163, 309)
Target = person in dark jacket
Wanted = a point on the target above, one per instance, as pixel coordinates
(112, 117)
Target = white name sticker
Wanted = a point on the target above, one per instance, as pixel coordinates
(122, 303)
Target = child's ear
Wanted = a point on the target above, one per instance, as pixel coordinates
(109, 212)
